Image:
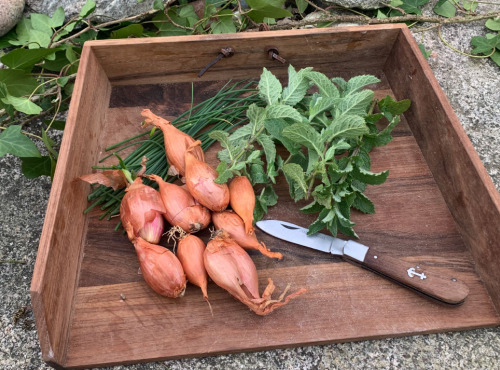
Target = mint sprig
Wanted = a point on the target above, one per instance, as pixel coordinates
(328, 128)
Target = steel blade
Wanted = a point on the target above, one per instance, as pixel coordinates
(298, 235)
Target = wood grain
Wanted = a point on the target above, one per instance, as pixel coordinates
(462, 179)
(61, 244)
(435, 203)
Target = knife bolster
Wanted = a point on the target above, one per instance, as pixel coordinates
(355, 251)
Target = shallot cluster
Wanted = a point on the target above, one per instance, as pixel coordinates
(189, 208)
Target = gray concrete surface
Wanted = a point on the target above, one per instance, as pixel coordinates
(473, 88)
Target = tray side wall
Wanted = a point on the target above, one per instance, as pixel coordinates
(157, 60)
(59, 255)
(465, 184)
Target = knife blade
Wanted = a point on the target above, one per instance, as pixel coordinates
(435, 283)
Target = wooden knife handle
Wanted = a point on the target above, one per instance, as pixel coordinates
(438, 284)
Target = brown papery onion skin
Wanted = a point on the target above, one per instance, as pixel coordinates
(234, 226)
(176, 143)
(181, 208)
(242, 200)
(141, 211)
(190, 251)
(200, 182)
(161, 269)
(231, 268)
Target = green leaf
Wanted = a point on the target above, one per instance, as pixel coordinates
(356, 103)
(158, 5)
(261, 9)
(49, 144)
(413, 6)
(269, 87)
(425, 53)
(34, 167)
(23, 29)
(14, 142)
(87, 9)
(368, 177)
(304, 134)
(25, 58)
(23, 105)
(316, 227)
(297, 86)
(256, 115)
(319, 104)
(301, 5)
(325, 86)
(42, 23)
(224, 173)
(496, 57)
(493, 24)
(275, 127)
(470, 5)
(485, 45)
(282, 111)
(363, 204)
(358, 82)
(58, 17)
(388, 104)
(241, 133)
(445, 8)
(220, 136)
(295, 173)
(224, 22)
(38, 39)
(268, 146)
(128, 31)
(346, 126)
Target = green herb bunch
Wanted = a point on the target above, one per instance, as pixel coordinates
(328, 128)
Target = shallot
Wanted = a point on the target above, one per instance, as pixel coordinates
(200, 181)
(234, 226)
(161, 269)
(231, 268)
(141, 211)
(176, 143)
(242, 200)
(181, 208)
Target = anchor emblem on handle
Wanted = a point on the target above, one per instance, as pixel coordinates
(411, 273)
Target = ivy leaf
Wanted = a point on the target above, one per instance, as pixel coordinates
(42, 23)
(413, 6)
(325, 86)
(445, 8)
(87, 9)
(26, 58)
(38, 39)
(294, 172)
(301, 5)
(22, 104)
(14, 142)
(485, 45)
(269, 87)
(127, 31)
(34, 167)
(224, 22)
(261, 9)
(58, 17)
(470, 5)
(493, 24)
(18, 82)
(297, 86)
(496, 57)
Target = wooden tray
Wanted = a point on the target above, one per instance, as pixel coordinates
(438, 207)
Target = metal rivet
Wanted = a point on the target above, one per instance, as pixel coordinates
(224, 53)
(273, 53)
